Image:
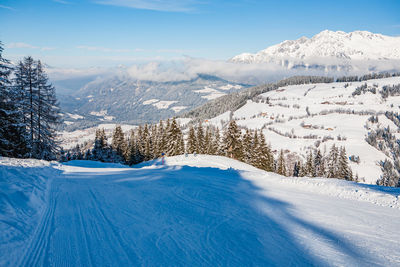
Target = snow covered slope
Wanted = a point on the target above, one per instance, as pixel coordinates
(328, 49)
(22, 199)
(69, 139)
(125, 99)
(298, 117)
(197, 211)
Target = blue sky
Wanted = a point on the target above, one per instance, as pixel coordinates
(83, 33)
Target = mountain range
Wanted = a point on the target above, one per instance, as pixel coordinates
(329, 50)
(124, 99)
(123, 96)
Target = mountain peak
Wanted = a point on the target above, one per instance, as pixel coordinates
(337, 45)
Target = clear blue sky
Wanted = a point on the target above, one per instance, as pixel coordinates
(81, 33)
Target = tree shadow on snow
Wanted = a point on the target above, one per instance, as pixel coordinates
(219, 218)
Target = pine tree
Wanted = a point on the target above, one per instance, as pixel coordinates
(154, 139)
(310, 165)
(248, 148)
(390, 176)
(266, 158)
(281, 168)
(333, 162)
(181, 147)
(217, 143)
(191, 141)
(232, 141)
(118, 143)
(319, 169)
(207, 141)
(161, 136)
(296, 169)
(255, 151)
(47, 116)
(31, 94)
(145, 142)
(100, 145)
(12, 129)
(211, 147)
(135, 156)
(261, 156)
(200, 139)
(174, 140)
(344, 171)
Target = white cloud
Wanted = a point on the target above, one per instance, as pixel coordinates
(189, 68)
(29, 46)
(105, 49)
(158, 5)
(57, 74)
(62, 2)
(7, 7)
(21, 45)
(121, 50)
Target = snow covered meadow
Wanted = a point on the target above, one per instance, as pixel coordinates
(194, 210)
(298, 118)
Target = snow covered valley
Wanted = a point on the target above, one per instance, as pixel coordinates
(192, 211)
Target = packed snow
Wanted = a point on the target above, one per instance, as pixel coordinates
(193, 211)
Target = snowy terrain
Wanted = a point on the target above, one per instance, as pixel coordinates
(335, 117)
(193, 211)
(339, 49)
(124, 99)
(210, 93)
(69, 140)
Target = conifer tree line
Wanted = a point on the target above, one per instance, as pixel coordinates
(385, 140)
(149, 142)
(333, 165)
(143, 143)
(29, 110)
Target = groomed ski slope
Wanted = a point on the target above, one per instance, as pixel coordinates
(194, 211)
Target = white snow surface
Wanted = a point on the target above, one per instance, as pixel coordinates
(150, 101)
(179, 108)
(78, 137)
(211, 93)
(75, 116)
(164, 104)
(100, 113)
(192, 211)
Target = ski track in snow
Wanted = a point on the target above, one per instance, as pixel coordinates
(204, 211)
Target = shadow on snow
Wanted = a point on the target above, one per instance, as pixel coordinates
(207, 216)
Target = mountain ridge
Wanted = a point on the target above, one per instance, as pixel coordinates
(339, 47)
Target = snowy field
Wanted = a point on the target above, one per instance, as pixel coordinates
(192, 211)
(297, 117)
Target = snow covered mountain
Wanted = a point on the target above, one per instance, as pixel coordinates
(298, 118)
(124, 99)
(329, 50)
